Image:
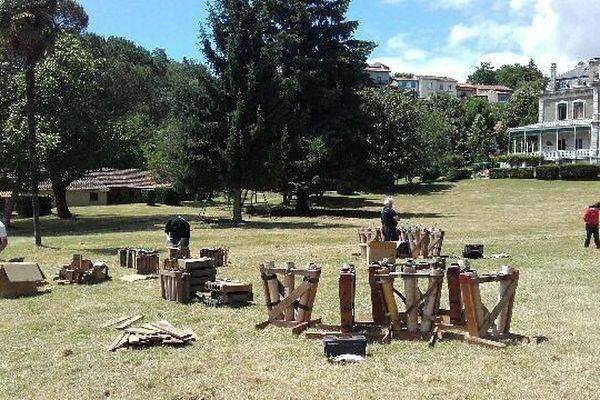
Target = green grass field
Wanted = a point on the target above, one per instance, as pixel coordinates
(51, 346)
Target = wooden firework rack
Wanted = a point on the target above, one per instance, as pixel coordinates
(367, 235)
(349, 325)
(421, 307)
(489, 327)
(143, 261)
(288, 305)
(220, 255)
(422, 242)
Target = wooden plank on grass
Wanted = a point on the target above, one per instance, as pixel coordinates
(114, 322)
(128, 322)
(119, 342)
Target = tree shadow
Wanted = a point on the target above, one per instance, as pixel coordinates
(424, 189)
(343, 202)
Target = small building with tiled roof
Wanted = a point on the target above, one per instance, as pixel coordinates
(107, 186)
(492, 93)
(379, 73)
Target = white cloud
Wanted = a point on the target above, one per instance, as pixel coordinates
(546, 30)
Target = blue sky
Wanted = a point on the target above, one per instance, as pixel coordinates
(443, 37)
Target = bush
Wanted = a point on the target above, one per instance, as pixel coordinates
(456, 174)
(516, 160)
(578, 172)
(149, 197)
(25, 209)
(499, 173)
(452, 161)
(522, 173)
(516, 173)
(547, 172)
(168, 196)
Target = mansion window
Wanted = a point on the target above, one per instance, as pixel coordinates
(579, 144)
(578, 110)
(561, 111)
(562, 144)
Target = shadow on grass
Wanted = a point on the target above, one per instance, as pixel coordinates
(424, 189)
(342, 213)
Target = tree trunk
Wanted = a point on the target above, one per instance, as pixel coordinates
(302, 197)
(9, 206)
(237, 205)
(60, 196)
(32, 142)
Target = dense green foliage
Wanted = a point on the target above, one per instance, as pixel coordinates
(575, 172)
(515, 173)
(516, 160)
(547, 172)
(567, 172)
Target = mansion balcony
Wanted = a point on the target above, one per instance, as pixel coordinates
(557, 140)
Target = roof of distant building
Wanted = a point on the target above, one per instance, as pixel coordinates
(377, 67)
(580, 71)
(496, 88)
(83, 184)
(436, 78)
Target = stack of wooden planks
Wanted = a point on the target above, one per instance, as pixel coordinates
(220, 255)
(422, 242)
(82, 271)
(144, 261)
(181, 279)
(227, 293)
(151, 334)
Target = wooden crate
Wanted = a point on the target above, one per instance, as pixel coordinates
(178, 253)
(175, 286)
(220, 255)
(146, 264)
(378, 251)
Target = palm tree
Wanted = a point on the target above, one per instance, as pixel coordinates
(28, 30)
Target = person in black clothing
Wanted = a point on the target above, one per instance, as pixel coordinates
(388, 221)
(177, 230)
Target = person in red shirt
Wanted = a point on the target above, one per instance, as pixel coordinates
(590, 217)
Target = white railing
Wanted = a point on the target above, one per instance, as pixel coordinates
(565, 154)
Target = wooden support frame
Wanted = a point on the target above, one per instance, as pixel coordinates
(423, 242)
(289, 305)
(421, 308)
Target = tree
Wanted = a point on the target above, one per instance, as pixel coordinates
(28, 29)
(523, 106)
(68, 120)
(320, 67)
(514, 75)
(239, 124)
(481, 140)
(393, 143)
(484, 74)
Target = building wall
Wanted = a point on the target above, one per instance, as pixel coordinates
(428, 87)
(78, 198)
(380, 78)
(550, 103)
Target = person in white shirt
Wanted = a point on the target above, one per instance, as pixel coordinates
(3, 237)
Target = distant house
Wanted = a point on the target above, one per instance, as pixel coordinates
(107, 186)
(86, 191)
(430, 85)
(492, 93)
(406, 83)
(379, 73)
(568, 126)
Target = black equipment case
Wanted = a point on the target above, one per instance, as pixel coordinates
(355, 344)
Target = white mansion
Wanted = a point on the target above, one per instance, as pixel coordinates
(569, 118)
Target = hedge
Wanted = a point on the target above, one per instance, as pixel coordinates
(578, 172)
(25, 208)
(516, 173)
(519, 159)
(457, 174)
(547, 172)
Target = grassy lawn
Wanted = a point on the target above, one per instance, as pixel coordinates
(51, 346)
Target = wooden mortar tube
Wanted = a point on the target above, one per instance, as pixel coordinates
(412, 295)
(347, 287)
(430, 309)
(454, 296)
(502, 322)
(289, 287)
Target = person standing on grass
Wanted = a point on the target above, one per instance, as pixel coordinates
(590, 217)
(177, 230)
(3, 237)
(389, 221)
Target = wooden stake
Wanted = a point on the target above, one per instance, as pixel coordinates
(289, 288)
(411, 294)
